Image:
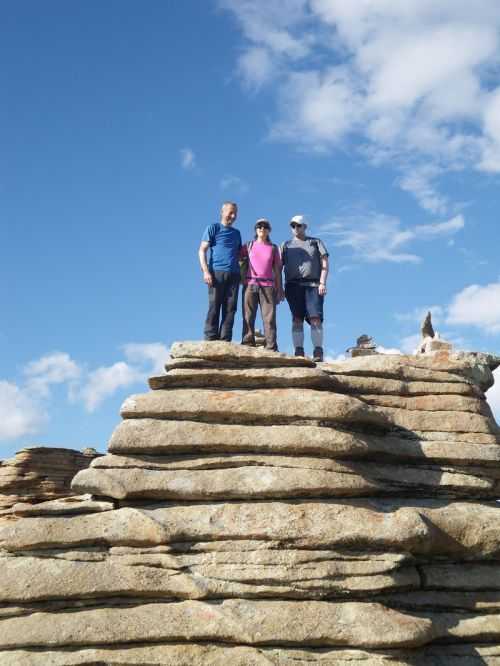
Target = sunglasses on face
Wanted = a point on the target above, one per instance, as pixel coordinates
(263, 226)
(296, 226)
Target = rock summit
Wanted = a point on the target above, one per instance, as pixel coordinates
(258, 509)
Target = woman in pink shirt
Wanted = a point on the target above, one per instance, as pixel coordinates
(262, 285)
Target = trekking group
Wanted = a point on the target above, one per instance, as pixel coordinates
(258, 266)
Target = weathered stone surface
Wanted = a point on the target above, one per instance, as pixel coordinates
(270, 514)
(417, 601)
(463, 576)
(444, 366)
(431, 403)
(66, 506)
(486, 467)
(468, 437)
(382, 386)
(227, 352)
(428, 526)
(182, 654)
(390, 367)
(314, 623)
(143, 436)
(263, 405)
(280, 477)
(39, 473)
(446, 421)
(242, 378)
(284, 573)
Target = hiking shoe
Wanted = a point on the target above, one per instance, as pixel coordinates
(299, 351)
(318, 355)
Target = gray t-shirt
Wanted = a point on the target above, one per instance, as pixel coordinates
(302, 260)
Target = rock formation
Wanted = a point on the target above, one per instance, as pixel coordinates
(255, 509)
(38, 474)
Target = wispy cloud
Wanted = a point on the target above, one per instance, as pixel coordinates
(105, 381)
(188, 158)
(25, 406)
(418, 181)
(55, 368)
(477, 305)
(142, 360)
(20, 413)
(387, 76)
(150, 352)
(234, 183)
(374, 237)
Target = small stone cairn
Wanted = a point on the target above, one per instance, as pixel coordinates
(256, 510)
(364, 347)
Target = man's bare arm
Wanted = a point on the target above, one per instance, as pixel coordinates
(202, 255)
(278, 284)
(324, 275)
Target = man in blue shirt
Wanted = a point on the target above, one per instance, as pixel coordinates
(222, 273)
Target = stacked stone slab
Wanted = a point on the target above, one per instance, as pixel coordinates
(38, 474)
(255, 509)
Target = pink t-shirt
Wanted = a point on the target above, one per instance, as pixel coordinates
(263, 257)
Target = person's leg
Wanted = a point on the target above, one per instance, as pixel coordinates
(267, 300)
(215, 293)
(314, 308)
(295, 296)
(244, 329)
(250, 313)
(229, 305)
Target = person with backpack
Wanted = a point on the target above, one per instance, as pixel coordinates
(262, 286)
(305, 260)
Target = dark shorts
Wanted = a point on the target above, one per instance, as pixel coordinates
(305, 302)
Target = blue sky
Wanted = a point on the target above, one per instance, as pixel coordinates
(126, 124)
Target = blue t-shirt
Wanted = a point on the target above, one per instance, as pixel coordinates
(225, 244)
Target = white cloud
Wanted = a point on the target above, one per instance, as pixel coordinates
(188, 158)
(375, 237)
(153, 352)
(234, 183)
(105, 381)
(256, 67)
(318, 108)
(440, 228)
(387, 74)
(272, 24)
(20, 414)
(55, 368)
(410, 343)
(418, 182)
(143, 360)
(388, 350)
(493, 395)
(478, 306)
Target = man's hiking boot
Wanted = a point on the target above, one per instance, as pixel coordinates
(299, 351)
(318, 355)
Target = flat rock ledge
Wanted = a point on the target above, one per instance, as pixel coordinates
(258, 509)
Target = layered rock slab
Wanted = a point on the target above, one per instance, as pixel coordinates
(39, 474)
(253, 519)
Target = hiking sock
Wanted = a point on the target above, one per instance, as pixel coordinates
(317, 335)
